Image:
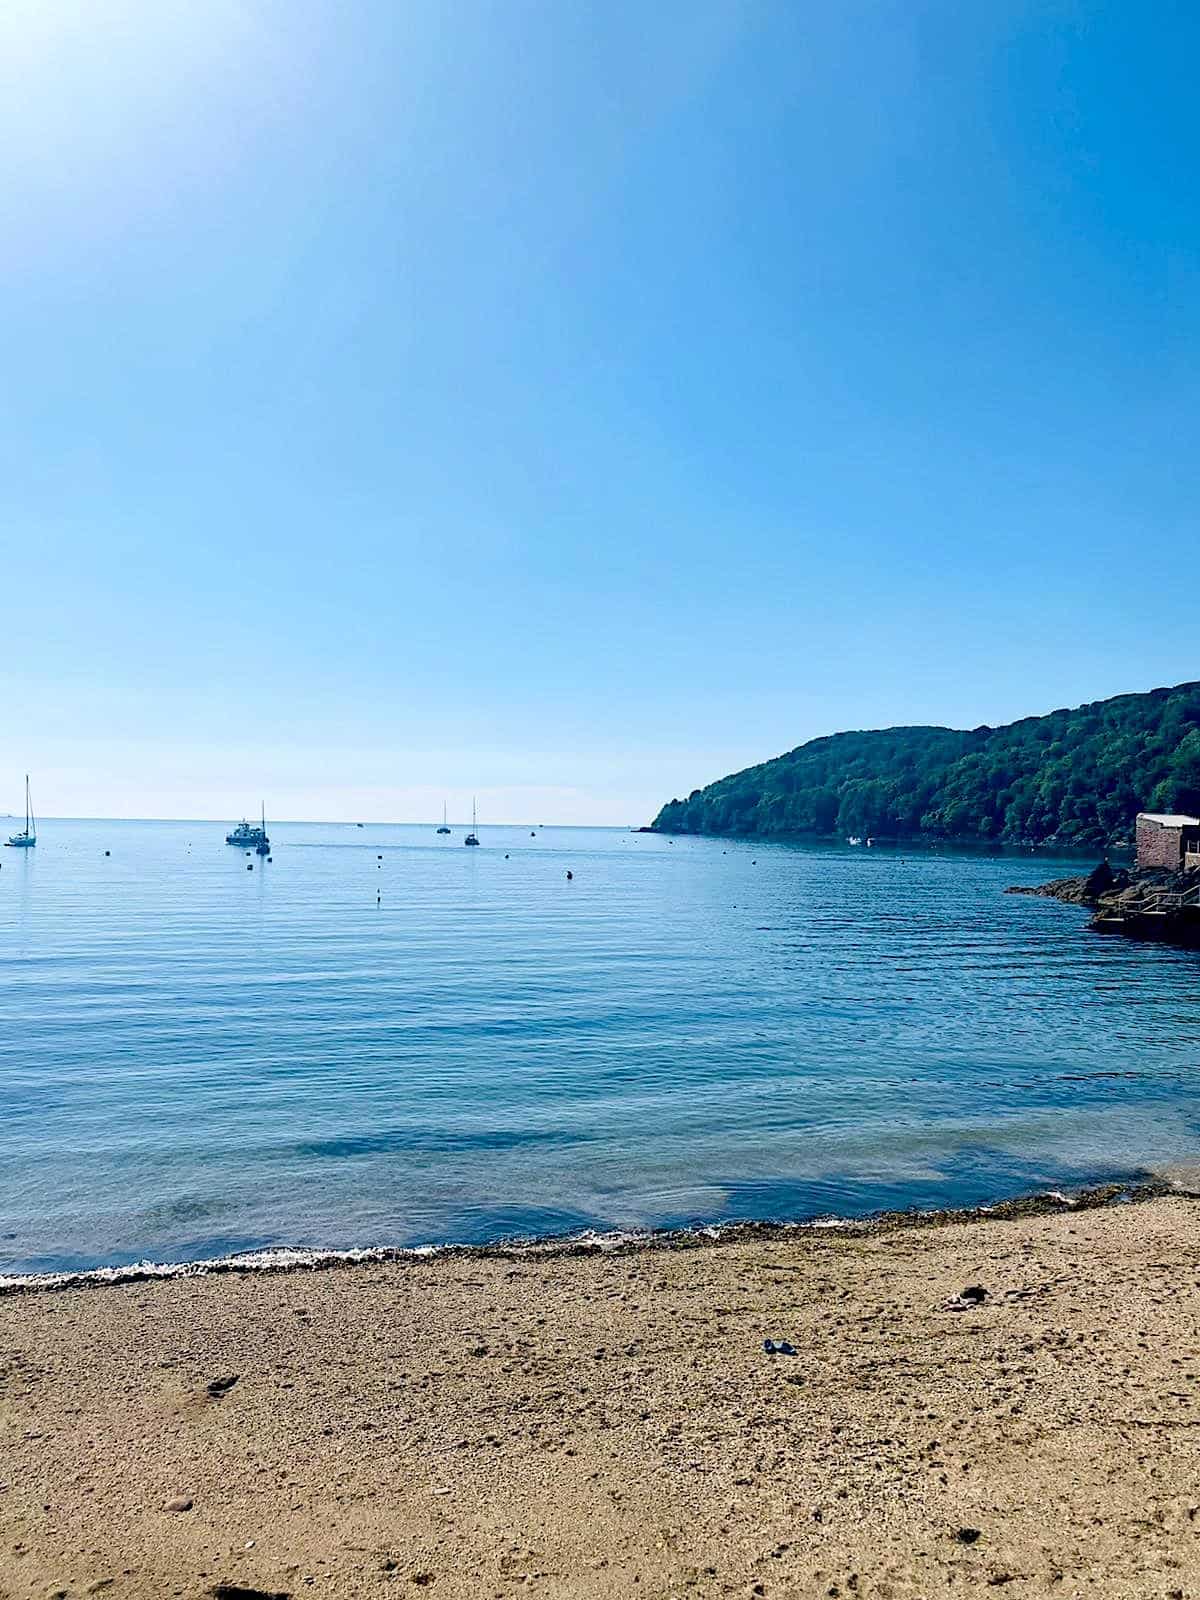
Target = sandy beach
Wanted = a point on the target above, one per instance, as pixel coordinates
(611, 1425)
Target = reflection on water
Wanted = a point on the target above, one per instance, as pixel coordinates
(335, 1049)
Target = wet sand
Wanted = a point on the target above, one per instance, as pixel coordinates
(611, 1425)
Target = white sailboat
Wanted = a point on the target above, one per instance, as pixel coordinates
(444, 827)
(25, 841)
(472, 837)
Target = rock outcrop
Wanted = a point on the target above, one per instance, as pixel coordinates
(1145, 903)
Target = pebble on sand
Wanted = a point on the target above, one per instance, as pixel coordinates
(967, 1299)
(181, 1502)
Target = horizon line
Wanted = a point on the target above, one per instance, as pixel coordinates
(327, 822)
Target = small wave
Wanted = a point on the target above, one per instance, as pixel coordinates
(590, 1241)
(281, 1259)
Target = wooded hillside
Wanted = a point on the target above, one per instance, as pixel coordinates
(1073, 777)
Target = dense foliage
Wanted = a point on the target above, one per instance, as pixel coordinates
(1077, 777)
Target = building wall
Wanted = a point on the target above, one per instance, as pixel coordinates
(1158, 846)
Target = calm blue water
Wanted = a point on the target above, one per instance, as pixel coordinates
(197, 1059)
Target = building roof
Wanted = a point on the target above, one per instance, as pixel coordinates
(1169, 819)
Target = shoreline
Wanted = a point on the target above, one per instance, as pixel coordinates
(1117, 849)
(276, 1259)
(1001, 1402)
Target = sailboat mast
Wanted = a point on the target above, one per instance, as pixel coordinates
(28, 809)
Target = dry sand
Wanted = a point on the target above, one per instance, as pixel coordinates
(611, 1425)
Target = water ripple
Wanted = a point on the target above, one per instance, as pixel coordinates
(337, 1051)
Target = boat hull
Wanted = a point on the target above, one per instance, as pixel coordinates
(20, 842)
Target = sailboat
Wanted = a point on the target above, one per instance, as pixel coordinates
(24, 841)
(443, 828)
(471, 837)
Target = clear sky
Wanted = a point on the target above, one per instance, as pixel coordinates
(573, 402)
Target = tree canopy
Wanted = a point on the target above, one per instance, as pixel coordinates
(1071, 777)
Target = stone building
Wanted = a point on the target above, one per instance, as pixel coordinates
(1166, 839)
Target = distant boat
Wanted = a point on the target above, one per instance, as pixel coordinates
(26, 840)
(471, 837)
(443, 828)
(249, 836)
(854, 839)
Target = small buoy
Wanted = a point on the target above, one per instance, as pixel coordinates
(250, 868)
(570, 874)
(270, 858)
(379, 858)
(108, 852)
(533, 835)
(506, 855)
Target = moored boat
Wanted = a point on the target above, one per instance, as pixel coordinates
(251, 835)
(28, 837)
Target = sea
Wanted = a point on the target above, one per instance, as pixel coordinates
(381, 1038)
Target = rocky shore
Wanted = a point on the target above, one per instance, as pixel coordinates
(871, 1414)
(1145, 903)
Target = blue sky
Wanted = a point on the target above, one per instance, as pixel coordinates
(571, 403)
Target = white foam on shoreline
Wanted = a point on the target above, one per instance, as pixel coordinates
(282, 1258)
